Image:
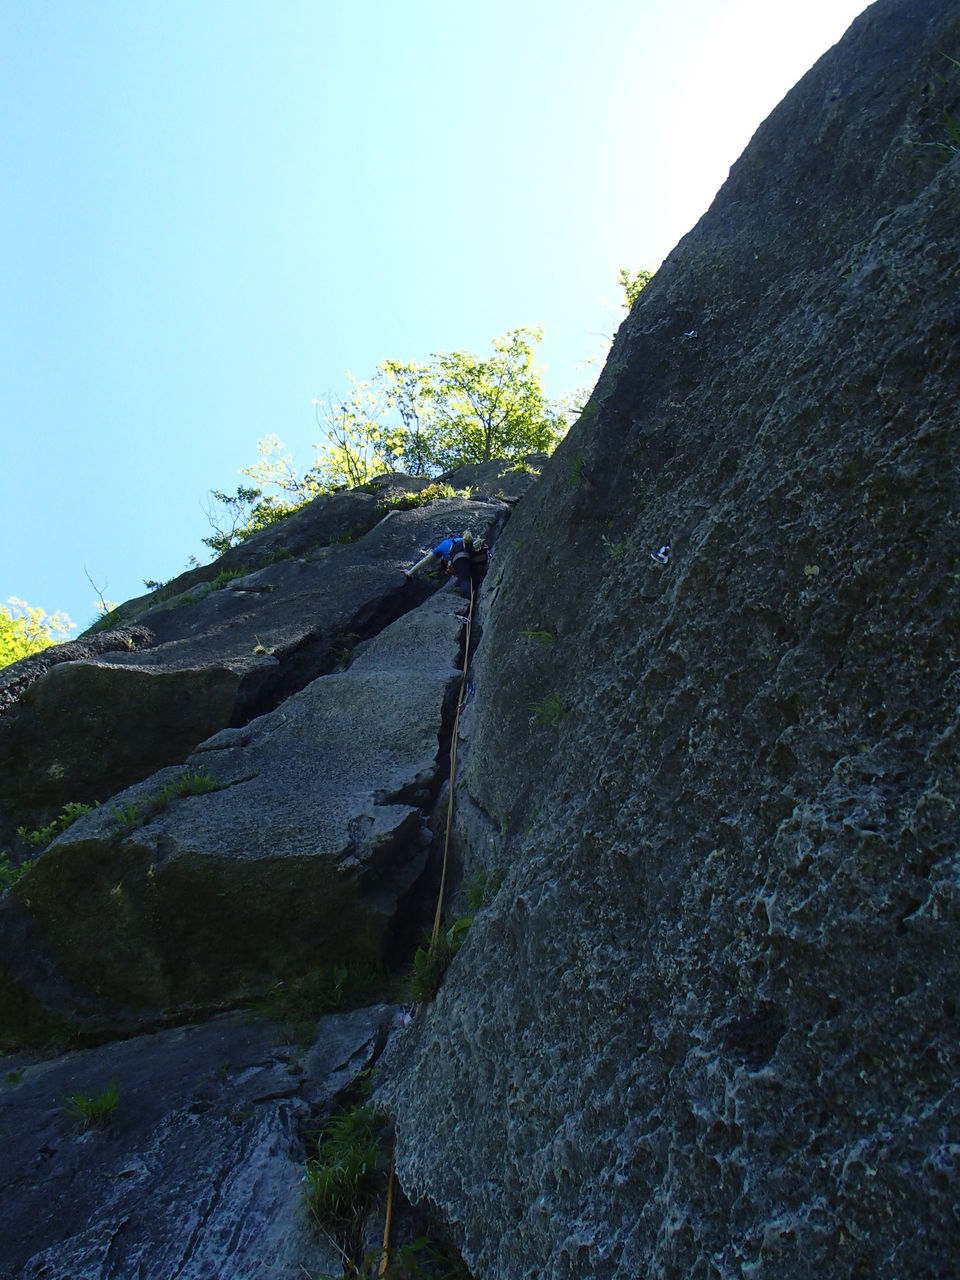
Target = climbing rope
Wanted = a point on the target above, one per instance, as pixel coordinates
(453, 769)
(385, 1255)
(384, 1258)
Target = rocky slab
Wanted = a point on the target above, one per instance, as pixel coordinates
(89, 727)
(708, 1026)
(313, 837)
(198, 1171)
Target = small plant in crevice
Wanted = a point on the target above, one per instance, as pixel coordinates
(40, 837)
(551, 710)
(547, 637)
(345, 536)
(616, 547)
(227, 575)
(297, 1003)
(135, 813)
(523, 467)
(343, 646)
(431, 962)
(481, 889)
(429, 493)
(343, 1176)
(95, 1109)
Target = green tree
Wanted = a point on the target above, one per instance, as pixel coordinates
(26, 629)
(490, 408)
(359, 440)
(633, 284)
(408, 387)
(420, 418)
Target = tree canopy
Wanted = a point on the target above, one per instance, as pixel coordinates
(26, 629)
(425, 419)
(420, 418)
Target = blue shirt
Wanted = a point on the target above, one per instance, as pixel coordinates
(445, 547)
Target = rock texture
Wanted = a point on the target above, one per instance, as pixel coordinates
(312, 839)
(199, 1168)
(708, 1026)
(208, 658)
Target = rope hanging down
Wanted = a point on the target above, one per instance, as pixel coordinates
(453, 769)
(385, 1255)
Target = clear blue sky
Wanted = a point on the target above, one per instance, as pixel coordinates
(211, 210)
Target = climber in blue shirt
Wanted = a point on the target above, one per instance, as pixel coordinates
(465, 559)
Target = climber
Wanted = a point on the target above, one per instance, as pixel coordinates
(463, 557)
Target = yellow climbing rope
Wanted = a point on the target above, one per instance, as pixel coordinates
(385, 1255)
(453, 770)
(384, 1258)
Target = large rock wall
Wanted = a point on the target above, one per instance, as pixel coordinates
(708, 1026)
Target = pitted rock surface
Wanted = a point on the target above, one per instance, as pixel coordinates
(708, 1026)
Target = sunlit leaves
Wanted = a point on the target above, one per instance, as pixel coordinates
(26, 629)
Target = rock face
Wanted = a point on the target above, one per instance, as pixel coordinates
(88, 727)
(274, 853)
(708, 1026)
(313, 836)
(199, 1168)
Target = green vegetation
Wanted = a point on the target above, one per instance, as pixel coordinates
(430, 493)
(247, 511)
(14, 1077)
(546, 636)
(424, 419)
(574, 470)
(40, 837)
(551, 710)
(9, 874)
(26, 629)
(135, 813)
(617, 547)
(481, 889)
(298, 1002)
(633, 284)
(430, 963)
(95, 1110)
(344, 1175)
(228, 575)
(343, 646)
(346, 536)
(525, 468)
(113, 616)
